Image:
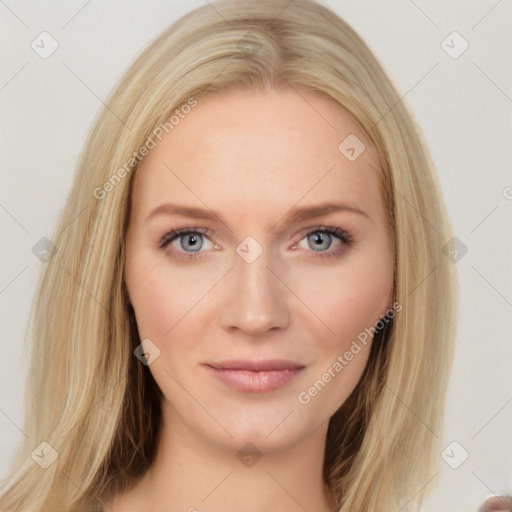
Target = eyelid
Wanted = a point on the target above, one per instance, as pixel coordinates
(337, 231)
(345, 238)
(173, 234)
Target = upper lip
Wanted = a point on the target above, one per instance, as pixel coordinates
(255, 366)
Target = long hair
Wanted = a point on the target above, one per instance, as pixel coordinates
(96, 407)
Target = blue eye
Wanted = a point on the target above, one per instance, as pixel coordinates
(320, 240)
(192, 241)
(320, 237)
(189, 239)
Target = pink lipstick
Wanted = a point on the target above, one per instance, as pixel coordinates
(255, 376)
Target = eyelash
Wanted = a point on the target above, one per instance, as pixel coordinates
(345, 238)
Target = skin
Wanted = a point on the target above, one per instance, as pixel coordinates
(253, 157)
(498, 504)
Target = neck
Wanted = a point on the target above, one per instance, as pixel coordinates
(194, 474)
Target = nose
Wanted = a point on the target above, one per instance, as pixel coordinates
(255, 298)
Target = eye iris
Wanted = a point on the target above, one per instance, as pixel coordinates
(318, 238)
(194, 240)
(321, 240)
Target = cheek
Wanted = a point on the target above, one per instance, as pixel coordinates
(151, 293)
(166, 299)
(346, 299)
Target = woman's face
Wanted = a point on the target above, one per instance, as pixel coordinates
(256, 319)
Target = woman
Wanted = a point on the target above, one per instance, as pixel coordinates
(191, 344)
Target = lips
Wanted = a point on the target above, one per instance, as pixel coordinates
(256, 366)
(254, 376)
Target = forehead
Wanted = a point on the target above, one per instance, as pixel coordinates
(257, 150)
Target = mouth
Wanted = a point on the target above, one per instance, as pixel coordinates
(254, 376)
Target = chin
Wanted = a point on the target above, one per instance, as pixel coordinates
(270, 428)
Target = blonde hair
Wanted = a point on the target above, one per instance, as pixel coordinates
(93, 401)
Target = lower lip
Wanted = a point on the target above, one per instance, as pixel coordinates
(249, 381)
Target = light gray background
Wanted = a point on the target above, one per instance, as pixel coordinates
(462, 104)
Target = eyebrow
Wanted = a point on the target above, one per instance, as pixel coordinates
(295, 215)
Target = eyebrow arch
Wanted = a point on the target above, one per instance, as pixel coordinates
(295, 215)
